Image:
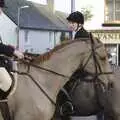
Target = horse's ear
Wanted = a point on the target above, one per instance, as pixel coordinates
(91, 37)
(36, 60)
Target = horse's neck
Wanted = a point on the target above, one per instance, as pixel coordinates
(65, 62)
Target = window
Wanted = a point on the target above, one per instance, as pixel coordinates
(112, 11)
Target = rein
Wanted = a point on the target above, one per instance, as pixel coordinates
(38, 85)
(45, 69)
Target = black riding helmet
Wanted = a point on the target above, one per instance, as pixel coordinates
(2, 3)
(77, 17)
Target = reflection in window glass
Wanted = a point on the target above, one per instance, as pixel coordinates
(117, 16)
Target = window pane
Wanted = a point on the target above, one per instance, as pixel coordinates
(110, 17)
(110, 10)
(117, 15)
(117, 4)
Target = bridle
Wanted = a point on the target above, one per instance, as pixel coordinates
(98, 69)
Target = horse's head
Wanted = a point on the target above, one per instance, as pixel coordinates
(94, 62)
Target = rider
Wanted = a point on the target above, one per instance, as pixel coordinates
(5, 79)
(76, 22)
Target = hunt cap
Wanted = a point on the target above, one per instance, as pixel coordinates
(77, 17)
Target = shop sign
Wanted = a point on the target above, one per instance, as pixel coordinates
(108, 37)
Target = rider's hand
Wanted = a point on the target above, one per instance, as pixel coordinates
(18, 54)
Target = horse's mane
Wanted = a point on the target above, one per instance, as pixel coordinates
(40, 58)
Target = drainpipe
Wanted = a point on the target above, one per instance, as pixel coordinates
(72, 10)
(72, 6)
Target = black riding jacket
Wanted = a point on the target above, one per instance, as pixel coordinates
(82, 33)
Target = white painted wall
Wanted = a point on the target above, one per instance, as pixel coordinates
(36, 41)
(8, 30)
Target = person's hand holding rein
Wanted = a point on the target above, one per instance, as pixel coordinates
(18, 54)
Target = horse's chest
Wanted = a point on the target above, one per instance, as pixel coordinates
(83, 91)
(83, 96)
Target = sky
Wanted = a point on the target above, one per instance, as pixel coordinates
(97, 10)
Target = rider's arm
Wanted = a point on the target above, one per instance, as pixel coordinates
(10, 51)
(6, 50)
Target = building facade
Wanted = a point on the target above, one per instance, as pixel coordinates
(34, 29)
(110, 32)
